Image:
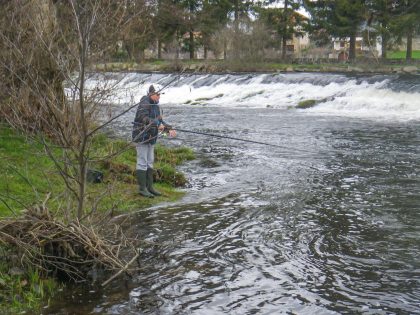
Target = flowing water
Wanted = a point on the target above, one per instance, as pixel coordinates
(328, 223)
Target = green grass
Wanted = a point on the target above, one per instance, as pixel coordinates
(28, 175)
(159, 62)
(402, 54)
(22, 292)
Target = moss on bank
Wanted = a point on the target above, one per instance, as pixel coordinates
(306, 104)
(28, 175)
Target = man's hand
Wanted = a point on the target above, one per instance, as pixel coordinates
(168, 128)
(161, 127)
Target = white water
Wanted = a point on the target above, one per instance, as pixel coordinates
(377, 98)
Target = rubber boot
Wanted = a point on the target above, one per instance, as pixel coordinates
(150, 183)
(142, 181)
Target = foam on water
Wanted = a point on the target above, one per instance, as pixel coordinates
(369, 97)
(373, 102)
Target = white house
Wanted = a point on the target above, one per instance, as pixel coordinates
(341, 47)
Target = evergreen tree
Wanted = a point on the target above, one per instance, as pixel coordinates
(285, 21)
(339, 18)
(407, 22)
(212, 17)
(191, 7)
(240, 11)
(380, 17)
(168, 22)
(138, 34)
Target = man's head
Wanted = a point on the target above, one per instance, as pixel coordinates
(154, 96)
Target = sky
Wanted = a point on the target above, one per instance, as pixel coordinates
(280, 4)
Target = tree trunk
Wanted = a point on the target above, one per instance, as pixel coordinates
(33, 30)
(191, 45)
(191, 48)
(384, 45)
(178, 45)
(129, 51)
(159, 44)
(236, 14)
(284, 35)
(235, 45)
(140, 56)
(205, 52)
(83, 136)
(352, 49)
(283, 47)
(44, 19)
(409, 52)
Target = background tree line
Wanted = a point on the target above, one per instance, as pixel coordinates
(390, 20)
(235, 28)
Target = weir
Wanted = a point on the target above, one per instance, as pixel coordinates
(378, 96)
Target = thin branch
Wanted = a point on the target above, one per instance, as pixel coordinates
(122, 270)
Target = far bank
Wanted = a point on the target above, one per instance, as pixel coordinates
(221, 66)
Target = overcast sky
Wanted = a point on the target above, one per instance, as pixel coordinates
(280, 4)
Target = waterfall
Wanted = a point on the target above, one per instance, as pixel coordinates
(378, 97)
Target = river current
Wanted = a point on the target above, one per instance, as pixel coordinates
(327, 223)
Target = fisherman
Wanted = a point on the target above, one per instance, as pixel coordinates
(147, 124)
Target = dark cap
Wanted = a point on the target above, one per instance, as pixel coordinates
(151, 90)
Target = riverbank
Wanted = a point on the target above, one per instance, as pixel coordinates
(221, 66)
(29, 175)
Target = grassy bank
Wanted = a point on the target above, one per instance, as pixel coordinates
(402, 54)
(221, 66)
(28, 175)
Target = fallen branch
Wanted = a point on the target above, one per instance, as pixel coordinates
(121, 271)
(71, 250)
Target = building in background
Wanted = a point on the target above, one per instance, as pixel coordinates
(341, 47)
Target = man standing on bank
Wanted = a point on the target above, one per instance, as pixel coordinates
(147, 124)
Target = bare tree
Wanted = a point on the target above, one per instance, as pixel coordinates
(48, 49)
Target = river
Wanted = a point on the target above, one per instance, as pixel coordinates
(327, 223)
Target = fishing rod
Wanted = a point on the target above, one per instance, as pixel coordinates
(178, 76)
(244, 140)
(227, 137)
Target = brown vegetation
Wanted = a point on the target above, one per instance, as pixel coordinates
(45, 45)
(70, 250)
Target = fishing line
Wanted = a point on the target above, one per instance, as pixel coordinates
(163, 134)
(234, 138)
